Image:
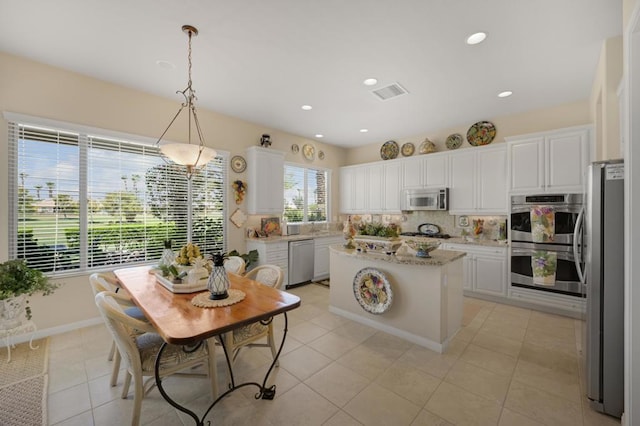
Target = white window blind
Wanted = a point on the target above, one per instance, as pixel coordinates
(306, 194)
(82, 201)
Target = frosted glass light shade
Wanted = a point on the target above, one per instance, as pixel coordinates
(187, 154)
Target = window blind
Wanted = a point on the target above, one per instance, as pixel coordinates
(83, 201)
(306, 194)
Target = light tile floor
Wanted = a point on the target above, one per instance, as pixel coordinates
(507, 366)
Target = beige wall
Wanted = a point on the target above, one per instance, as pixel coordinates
(36, 89)
(566, 115)
(604, 103)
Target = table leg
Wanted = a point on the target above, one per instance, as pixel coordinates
(264, 392)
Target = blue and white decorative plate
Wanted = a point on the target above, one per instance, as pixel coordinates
(372, 290)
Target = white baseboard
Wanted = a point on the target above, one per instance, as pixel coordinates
(418, 340)
(39, 334)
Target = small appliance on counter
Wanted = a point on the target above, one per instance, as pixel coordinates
(430, 230)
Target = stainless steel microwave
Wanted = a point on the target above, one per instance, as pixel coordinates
(425, 199)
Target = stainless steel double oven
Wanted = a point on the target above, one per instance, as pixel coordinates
(566, 244)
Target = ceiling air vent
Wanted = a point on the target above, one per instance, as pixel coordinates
(390, 91)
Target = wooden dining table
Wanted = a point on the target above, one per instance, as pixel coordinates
(179, 322)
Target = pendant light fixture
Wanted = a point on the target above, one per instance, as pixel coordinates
(193, 156)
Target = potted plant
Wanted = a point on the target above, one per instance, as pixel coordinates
(17, 282)
(377, 237)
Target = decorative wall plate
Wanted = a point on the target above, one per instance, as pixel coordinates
(454, 141)
(408, 149)
(321, 155)
(389, 150)
(295, 148)
(238, 164)
(372, 290)
(308, 151)
(481, 133)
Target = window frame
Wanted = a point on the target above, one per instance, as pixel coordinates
(84, 134)
(306, 168)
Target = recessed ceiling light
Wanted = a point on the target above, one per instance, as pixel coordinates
(476, 38)
(370, 82)
(319, 136)
(307, 107)
(364, 130)
(165, 64)
(505, 94)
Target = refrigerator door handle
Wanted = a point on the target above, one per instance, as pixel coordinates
(576, 253)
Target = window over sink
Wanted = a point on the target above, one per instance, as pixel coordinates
(306, 194)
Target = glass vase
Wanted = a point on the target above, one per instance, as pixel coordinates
(168, 256)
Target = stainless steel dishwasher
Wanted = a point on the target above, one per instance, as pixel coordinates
(301, 255)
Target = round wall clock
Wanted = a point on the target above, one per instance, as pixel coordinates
(238, 164)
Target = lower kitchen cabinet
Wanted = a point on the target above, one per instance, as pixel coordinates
(484, 268)
(321, 256)
(273, 253)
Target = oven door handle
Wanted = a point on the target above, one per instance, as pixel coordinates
(576, 253)
(562, 255)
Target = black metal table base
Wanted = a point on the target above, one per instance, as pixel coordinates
(264, 392)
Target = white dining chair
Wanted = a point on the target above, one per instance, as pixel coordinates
(235, 265)
(139, 351)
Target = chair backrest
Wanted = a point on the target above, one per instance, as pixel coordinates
(123, 327)
(234, 264)
(271, 275)
(102, 282)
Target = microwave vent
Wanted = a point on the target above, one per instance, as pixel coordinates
(391, 91)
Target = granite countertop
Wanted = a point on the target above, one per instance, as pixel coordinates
(287, 238)
(438, 257)
(462, 240)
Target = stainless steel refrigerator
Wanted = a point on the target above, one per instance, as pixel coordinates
(604, 282)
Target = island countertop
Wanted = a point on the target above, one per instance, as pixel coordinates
(438, 257)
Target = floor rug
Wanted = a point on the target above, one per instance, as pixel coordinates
(23, 384)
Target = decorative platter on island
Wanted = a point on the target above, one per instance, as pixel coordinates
(372, 291)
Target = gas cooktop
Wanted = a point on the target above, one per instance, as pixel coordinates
(422, 234)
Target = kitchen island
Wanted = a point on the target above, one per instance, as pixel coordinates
(427, 299)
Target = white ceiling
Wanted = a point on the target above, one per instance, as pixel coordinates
(261, 60)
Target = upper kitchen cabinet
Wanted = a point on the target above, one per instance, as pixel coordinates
(425, 171)
(371, 188)
(478, 181)
(265, 174)
(354, 187)
(549, 162)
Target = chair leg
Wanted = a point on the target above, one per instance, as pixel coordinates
(213, 371)
(138, 395)
(272, 343)
(116, 368)
(112, 351)
(125, 386)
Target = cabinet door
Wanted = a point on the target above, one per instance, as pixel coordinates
(321, 261)
(526, 159)
(435, 171)
(360, 190)
(375, 182)
(567, 160)
(467, 272)
(412, 173)
(462, 180)
(492, 181)
(391, 187)
(266, 176)
(490, 274)
(346, 190)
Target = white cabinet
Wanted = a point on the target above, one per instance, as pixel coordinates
(321, 256)
(265, 174)
(391, 187)
(549, 162)
(412, 172)
(273, 253)
(435, 170)
(371, 188)
(484, 268)
(477, 180)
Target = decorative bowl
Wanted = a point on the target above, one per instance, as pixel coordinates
(423, 248)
